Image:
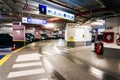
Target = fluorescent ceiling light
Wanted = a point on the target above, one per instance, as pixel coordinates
(98, 23)
(10, 24)
(50, 25)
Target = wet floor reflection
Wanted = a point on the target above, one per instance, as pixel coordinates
(60, 42)
(92, 70)
(52, 73)
(96, 72)
(102, 75)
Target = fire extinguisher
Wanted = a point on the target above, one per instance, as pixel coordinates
(99, 49)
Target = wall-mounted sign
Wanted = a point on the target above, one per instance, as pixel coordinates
(108, 37)
(33, 21)
(57, 13)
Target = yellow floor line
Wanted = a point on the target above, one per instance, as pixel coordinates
(18, 49)
(4, 59)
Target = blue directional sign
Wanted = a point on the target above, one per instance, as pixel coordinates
(29, 20)
(42, 9)
(33, 21)
(57, 13)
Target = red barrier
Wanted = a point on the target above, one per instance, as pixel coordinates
(99, 49)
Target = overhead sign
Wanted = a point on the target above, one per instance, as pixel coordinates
(33, 21)
(57, 13)
(42, 9)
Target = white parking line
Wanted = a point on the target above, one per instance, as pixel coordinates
(64, 50)
(25, 73)
(47, 53)
(28, 57)
(68, 49)
(20, 65)
(43, 79)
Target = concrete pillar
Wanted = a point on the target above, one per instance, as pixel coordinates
(75, 35)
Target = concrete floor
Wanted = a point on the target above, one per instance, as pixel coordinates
(52, 60)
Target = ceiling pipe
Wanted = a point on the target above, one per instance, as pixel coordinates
(12, 15)
(99, 2)
(15, 15)
(106, 9)
(73, 1)
(11, 11)
(27, 3)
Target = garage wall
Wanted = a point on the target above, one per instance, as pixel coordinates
(30, 31)
(5, 29)
(113, 22)
(113, 25)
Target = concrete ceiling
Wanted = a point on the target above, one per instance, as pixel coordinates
(84, 10)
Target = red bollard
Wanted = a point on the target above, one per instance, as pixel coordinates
(14, 47)
(99, 49)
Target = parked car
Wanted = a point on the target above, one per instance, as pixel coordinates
(6, 40)
(32, 36)
(100, 37)
(29, 37)
(44, 36)
(55, 37)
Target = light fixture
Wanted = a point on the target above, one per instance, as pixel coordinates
(50, 25)
(18, 31)
(9, 24)
(98, 23)
(53, 19)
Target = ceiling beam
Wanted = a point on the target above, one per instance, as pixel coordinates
(80, 4)
(25, 3)
(99, 2)
(7, 6)
(101, 10)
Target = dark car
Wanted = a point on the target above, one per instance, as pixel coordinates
(99, 37)
(44, 36)
(6, 40)
(31, 36)
(55, 37)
